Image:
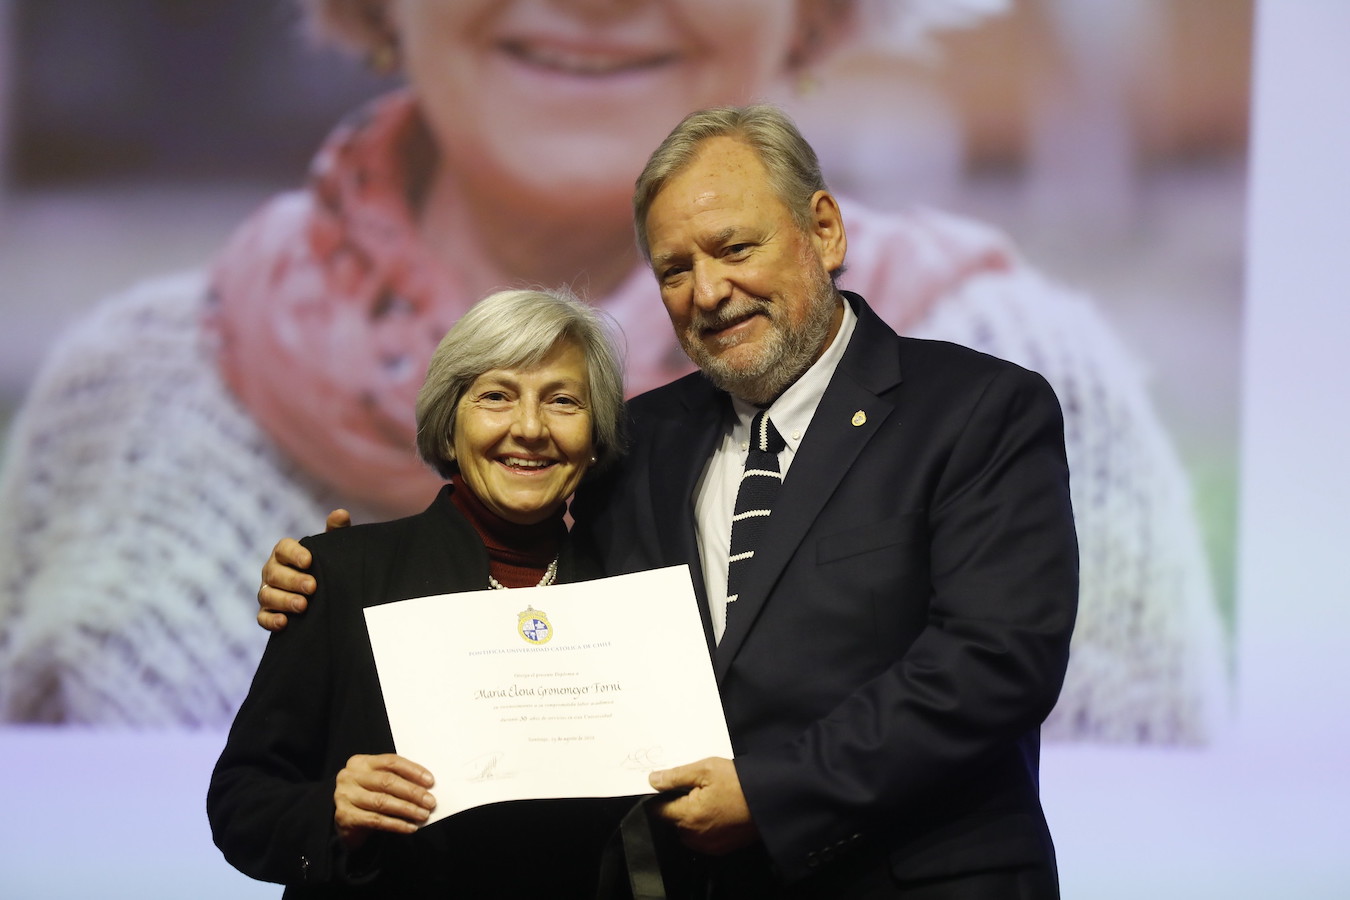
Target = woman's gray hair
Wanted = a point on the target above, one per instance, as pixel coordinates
(517, 329)
(359, 25)
(794, 170)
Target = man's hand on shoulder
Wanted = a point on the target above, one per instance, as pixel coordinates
(711, 816)
(286, 585)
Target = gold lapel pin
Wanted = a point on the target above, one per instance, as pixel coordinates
(859, 418)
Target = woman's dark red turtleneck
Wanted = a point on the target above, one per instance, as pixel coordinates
(518, 555)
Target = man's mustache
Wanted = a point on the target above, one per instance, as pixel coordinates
(728, 315)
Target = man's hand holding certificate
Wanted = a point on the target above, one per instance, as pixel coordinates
(574, 690)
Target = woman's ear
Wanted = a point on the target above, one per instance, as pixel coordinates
(821, 27)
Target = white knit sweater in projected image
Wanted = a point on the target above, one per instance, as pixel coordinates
(139, 497)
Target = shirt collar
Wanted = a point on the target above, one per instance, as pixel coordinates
(791, 413)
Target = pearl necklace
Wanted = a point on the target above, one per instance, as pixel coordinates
(550, 574)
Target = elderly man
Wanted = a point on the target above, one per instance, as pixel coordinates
(890, 621)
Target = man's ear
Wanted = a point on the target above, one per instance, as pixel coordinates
(827, 230)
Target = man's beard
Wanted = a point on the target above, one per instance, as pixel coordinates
(784, 353)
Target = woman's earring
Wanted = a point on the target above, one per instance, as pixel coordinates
(806, 83)
(383, 59)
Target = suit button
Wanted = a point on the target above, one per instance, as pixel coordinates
(812, 860)
(827, 854)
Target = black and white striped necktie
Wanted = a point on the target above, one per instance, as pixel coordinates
(754, 501)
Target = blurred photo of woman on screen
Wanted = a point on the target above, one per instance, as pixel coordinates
(188, 423)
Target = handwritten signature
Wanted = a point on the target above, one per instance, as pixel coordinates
(642, 759)
(487, 767)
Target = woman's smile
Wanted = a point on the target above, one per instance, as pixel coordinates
(585, 59)
(522, 464)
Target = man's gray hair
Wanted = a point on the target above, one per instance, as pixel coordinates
(794, 170)
(511, 330)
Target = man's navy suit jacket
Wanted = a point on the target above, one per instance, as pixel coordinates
(906, 625)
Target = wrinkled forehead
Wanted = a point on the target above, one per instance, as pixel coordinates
(725, 171)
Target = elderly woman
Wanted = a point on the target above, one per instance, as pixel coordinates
(187, 424)
(522, 399)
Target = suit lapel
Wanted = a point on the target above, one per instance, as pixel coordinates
(442, 553)
(836, 436)
(684, 444)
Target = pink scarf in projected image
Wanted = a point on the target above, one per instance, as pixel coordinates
(327, 306)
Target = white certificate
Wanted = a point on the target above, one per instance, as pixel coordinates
(571, 690)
